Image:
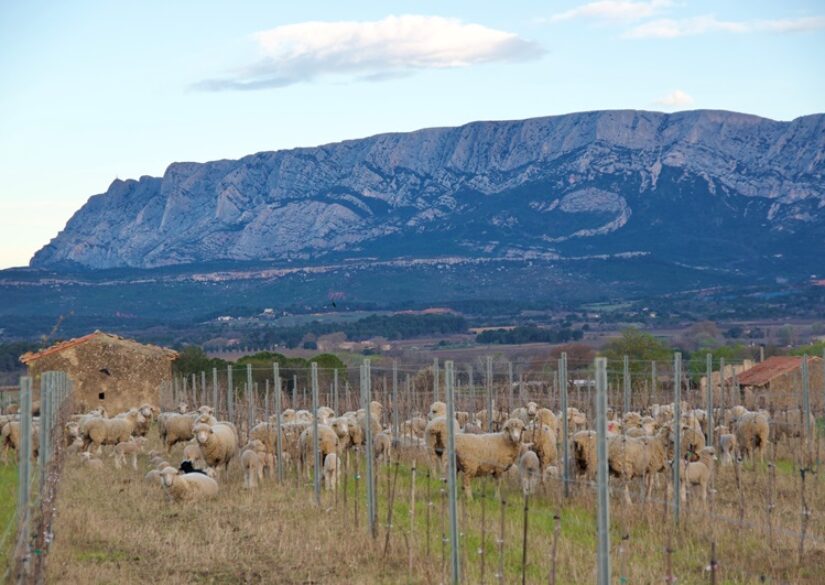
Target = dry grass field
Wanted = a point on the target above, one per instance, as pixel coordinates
(112, 527)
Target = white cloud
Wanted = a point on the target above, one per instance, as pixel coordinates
(372, 50)
(615, 10)
(668, 28)
(675, 99)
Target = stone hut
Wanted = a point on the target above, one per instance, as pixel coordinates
(777, 382)
(107, 370)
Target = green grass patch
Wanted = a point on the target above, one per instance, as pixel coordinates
(8, 508)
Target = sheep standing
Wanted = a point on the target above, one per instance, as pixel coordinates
(252, 460)
(696, 474)
(99, 431)
(752, 433)
(331, 471)
(543, 440)
(327, 443)
(584, 454)
(218, 443)
(627, 458)
(435, 437)
(189, 486)
(487, 454)
(529, 470)
(129, 448)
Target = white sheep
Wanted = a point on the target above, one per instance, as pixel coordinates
(529, 470)
(331, 471)
(488, 454)
(252, 460)
(189, 486)
(696, 474)
(130, 448)
(218, 443)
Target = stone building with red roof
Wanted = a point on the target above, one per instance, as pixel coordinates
(777, 383)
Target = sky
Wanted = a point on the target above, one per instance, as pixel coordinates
(91, 91)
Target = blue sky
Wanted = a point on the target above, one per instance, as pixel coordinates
(91, 91)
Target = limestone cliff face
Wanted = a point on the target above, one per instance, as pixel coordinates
(597, 182)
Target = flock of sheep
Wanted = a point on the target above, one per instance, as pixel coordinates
(523, 443)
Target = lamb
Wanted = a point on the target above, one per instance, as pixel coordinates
(252, 461)
(189, 486)
(331, 471)
(727, 447)
(529, 470)
(696, 474)
(218, 443)
(91, 462)
(752, 433)
(327, 443)
(131, 448)
(110, 431)
(488, 454)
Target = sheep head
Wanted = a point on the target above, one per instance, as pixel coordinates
(202, 432)
(436, 410)
(182, 407)
(340, 426)
(167, 476)
(532, 409)
(513, 429)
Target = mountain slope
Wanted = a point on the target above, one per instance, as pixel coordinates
(703, 188)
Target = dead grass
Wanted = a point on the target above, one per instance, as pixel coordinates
(112, 527)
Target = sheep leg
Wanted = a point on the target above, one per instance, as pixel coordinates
(468, 489)
(627, 499)
(134, 461)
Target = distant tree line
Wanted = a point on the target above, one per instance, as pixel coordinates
(529, 334)
(10, 354)
(392, 327)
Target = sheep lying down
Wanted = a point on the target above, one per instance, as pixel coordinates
(188, 486)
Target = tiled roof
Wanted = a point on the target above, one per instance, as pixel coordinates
(766, 371)
(29, 357)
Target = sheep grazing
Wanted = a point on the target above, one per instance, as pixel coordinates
(253, 457)
(218, 443)
(584, 454)
(189, 486)
(435, 438)
(488, 454)
(627, 458)
(327, 443)
(129, 448)
(696, 474)
(529, 470)
(10, 438)
(331, 471)
(99, 431)
(382, 446)
(752, 433)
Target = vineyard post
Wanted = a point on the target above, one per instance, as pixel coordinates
(565, 440)
(626, 383)
(316, 470)
(601, 475)
(449, 382)
(709, 396)
(489, 394)
(278, 446)
(677, 435)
